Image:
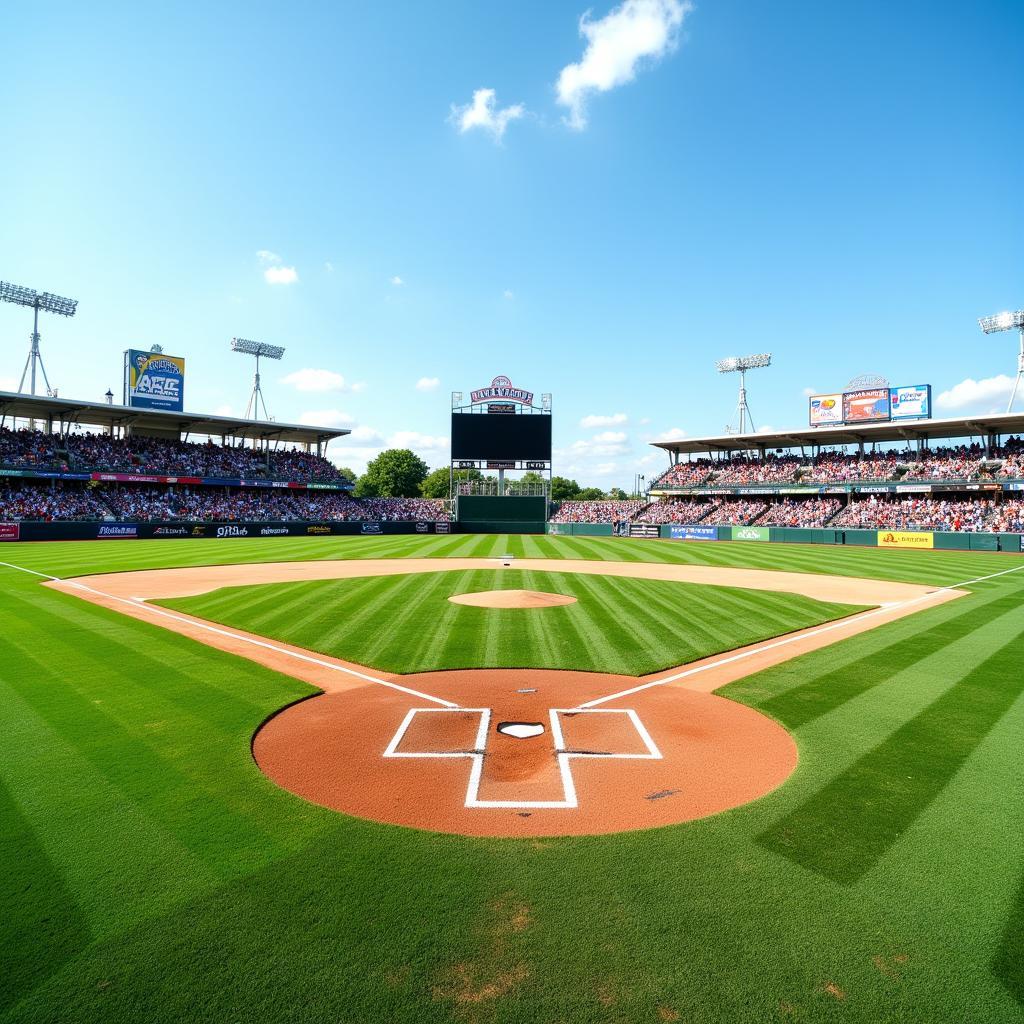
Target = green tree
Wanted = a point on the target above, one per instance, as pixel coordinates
(436, 484)
(617, 494)
(348, 474)
(532, 477)
(590, 494)
(563, 489)
(395, 473)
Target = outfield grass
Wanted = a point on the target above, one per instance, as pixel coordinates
(151, 873)
(407, 623)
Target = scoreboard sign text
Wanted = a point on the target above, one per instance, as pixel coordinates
(154, 381)
(501, 390)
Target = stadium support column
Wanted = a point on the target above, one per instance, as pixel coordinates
(501, 483)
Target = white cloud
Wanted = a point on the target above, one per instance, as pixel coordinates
(280, 275)
(397, 281)
(508, 294)
(265, 256)
(329, 267)
(326, 418)
(356, 386)
(617, 44)
(610, 436)
(9, 384)
(766, 429)
(811, 391)
(987, 395)
(428, 383)
(222, 410)
(672, 434)
(644, 420)
(592, 422)
(651, 459)
(417, 441)
(598, 449)
(605, 468)
(368, 436)
(316, 380)
(485, 114)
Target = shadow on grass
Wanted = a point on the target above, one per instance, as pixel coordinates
(1008, 965)
(844, 829)
(41, 928)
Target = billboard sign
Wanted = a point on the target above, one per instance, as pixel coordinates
(911, 403)
(826, 409)
(868, 406)
(750, 533)
(10, 531)
(905, 539)
(154, 381)
(501, 390)
(693, 532)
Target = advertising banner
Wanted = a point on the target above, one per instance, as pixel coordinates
(868, 406)
(644, 530)
(694, 532)
(9, 531)
(750, 533)
(826, 409)
(911, 403)
(154, 381)
(905, 539)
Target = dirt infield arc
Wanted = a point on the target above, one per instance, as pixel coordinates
(605, 753)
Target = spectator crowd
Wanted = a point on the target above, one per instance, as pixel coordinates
(597, 511)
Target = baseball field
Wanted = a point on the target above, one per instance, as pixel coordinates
(500, 778)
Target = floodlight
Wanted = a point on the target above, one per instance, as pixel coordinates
(1008, 322)
(261, 351)
(740, 365)
(48, 303)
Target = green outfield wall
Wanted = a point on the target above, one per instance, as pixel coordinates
(472, 508)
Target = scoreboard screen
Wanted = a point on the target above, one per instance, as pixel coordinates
(501, 437)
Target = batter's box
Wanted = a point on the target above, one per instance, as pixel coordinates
(615, 733)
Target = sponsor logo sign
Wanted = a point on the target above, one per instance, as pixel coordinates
(905, 539)
(232, 531)
(911, 403)
(273, 531)
(644, 530)
(370, 528)
(423, 527)
(154, 381)
(870, 405)
(317, 531)
(10, 531)
(442, 527)
(501, 388)
(825, 409)
(119, 530)
(536, 465)
(750, 533)
(694, 532)
(501, 408)
(171, 531)
(198, 531)
(501, 464)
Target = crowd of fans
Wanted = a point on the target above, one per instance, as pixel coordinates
(597, 511)
(919, 513)
(675, 510)
(734, 513)
(133, 503)
(805, 512)
(33, 449)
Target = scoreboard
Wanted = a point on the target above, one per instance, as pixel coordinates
(501, 437)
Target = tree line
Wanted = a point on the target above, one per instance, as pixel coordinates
(401, 473)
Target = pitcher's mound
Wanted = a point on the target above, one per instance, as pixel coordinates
(512, 599)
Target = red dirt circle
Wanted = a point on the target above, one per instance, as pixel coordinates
(481, 767)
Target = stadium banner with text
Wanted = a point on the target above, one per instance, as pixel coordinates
(750, 533)
(870, 405)
(905, 539)
(644, 530)
(913, 402)
(693, 533)
(826, 409)
(10, 531)
(153, 380)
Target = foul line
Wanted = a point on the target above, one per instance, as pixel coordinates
(795, 638)
(138, 602)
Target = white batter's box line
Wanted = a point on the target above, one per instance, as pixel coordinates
(562, 754)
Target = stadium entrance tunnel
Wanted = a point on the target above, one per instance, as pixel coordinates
(516, 753)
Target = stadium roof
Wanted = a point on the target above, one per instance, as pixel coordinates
(100, 414)
(852, 433)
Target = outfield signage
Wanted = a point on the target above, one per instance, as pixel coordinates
(501, 389)
(906, 539)
(154, 381)
(693, 532)
(644, 530)
(750, 533)
(9, 531)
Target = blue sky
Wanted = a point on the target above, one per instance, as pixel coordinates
(647, 189)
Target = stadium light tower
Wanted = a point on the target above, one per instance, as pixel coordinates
(260, 351)
(48, 304)
(740, 365)
(1008, 322)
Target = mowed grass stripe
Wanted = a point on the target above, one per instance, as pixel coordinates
(885, 791)
(619, 625)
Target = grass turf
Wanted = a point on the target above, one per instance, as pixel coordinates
(150, 872)
(407, 623)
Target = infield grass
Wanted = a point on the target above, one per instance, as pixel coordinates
(151, 873)
(407, 624)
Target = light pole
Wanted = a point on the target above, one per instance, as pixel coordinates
(740, 365)
(1008, 322)
(46, 302)
(259, 350)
